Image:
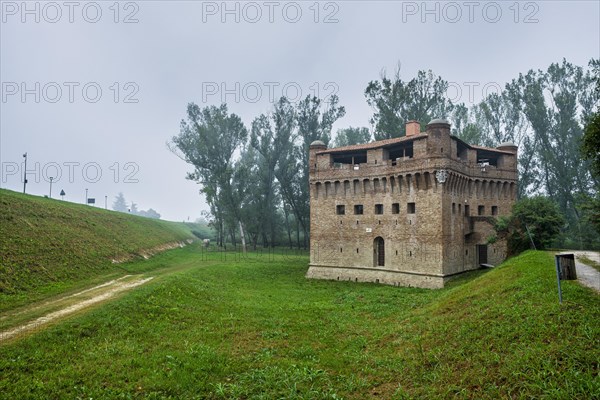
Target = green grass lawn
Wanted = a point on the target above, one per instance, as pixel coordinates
(48, 246)
(219, 326)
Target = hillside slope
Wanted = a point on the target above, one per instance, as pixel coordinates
(504, 334)
(45, 241)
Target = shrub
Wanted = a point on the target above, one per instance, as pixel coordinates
(535, 219)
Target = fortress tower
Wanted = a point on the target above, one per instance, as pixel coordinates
(409, 211)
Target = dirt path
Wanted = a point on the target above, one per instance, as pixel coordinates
(587, 275)
(38, 315)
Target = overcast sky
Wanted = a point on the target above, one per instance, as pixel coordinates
(92, 91)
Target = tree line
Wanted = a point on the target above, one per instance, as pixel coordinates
(121, 205)
(255, 179)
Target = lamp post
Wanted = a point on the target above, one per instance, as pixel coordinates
(51, 179)
(25, 173)
(105, 202)
(86, 196)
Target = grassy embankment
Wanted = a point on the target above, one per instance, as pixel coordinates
(218, 326)
(48, 246)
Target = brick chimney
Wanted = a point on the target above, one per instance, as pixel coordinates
(413, 128)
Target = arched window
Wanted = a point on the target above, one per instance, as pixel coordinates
(378, 252)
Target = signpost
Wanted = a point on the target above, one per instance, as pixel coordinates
(62, 194)
(565, 270)
(91, 200)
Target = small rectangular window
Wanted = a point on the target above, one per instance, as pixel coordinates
(411, 209)
(467, 210)
(453, 208)
(378, 208)
(358, 209)
(481, 210)
(396, 208)
(494, 210)
(340, 209)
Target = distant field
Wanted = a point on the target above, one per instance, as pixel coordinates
(48, 245)
(220, 326)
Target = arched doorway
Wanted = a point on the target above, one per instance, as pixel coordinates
(378, 252)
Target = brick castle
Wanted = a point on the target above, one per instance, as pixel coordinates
(409, 211)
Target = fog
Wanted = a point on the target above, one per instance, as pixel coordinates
(92, 91)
